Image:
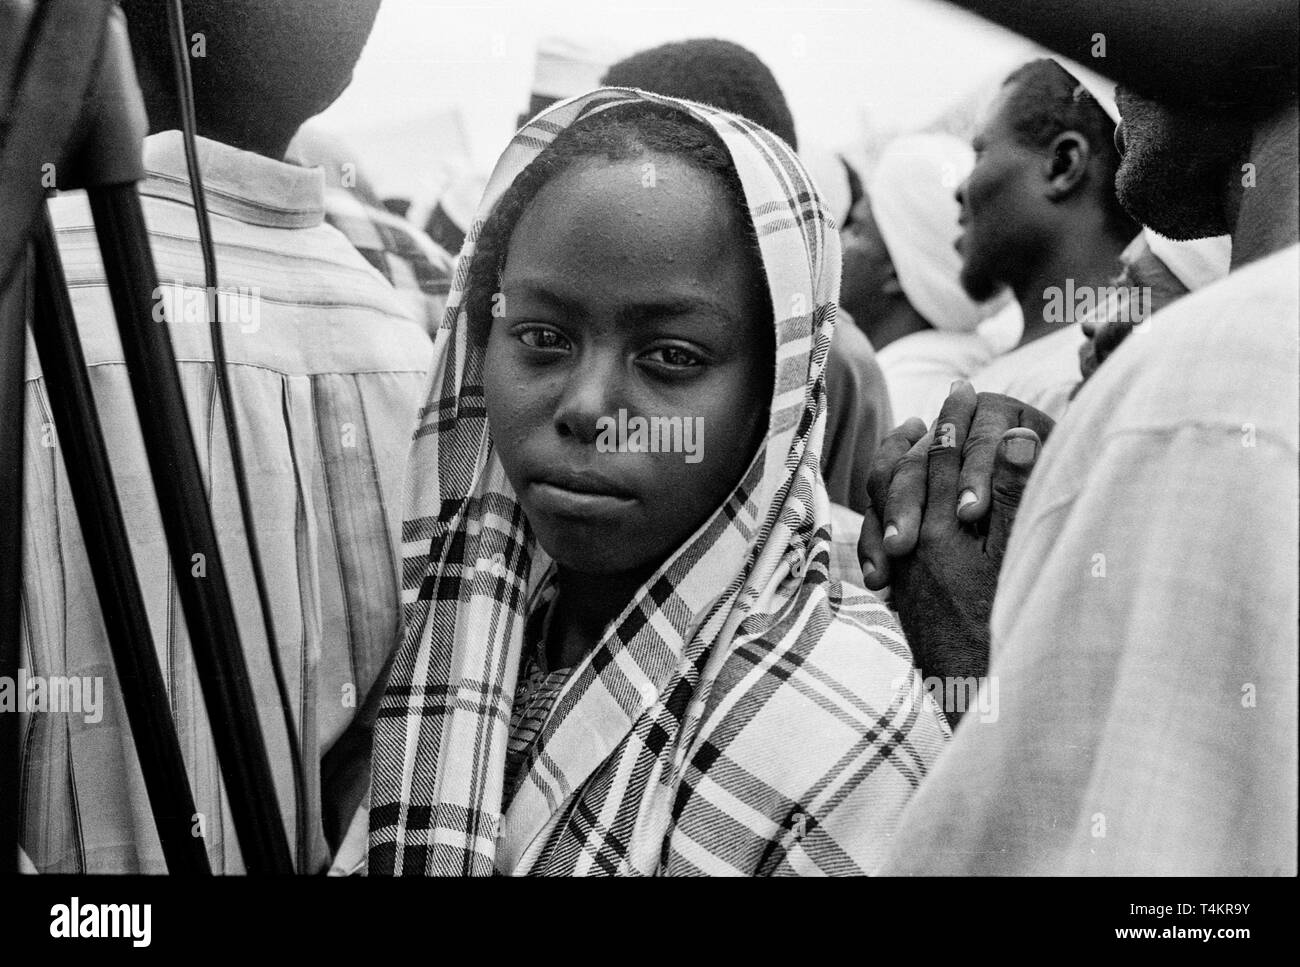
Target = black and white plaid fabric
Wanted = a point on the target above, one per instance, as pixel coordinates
(745, 714)
(417, 267)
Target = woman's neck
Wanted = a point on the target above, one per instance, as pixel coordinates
(584, 607)
(901, 320)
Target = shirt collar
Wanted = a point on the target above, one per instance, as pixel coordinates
(238, 184)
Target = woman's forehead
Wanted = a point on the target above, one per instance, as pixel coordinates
(610, 217)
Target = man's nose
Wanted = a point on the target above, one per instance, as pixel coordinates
(594, 389)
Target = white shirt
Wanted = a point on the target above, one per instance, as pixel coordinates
(1144, 633)
(920, 367)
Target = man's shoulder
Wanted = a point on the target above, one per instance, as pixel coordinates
(1216, 372)
(1224, 355)
(300, 301)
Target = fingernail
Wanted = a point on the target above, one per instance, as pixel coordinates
(956, 385)
(1021, 450)
(966, 499)
(868, 569)
(890, 531)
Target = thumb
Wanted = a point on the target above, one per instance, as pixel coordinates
(1016, 455)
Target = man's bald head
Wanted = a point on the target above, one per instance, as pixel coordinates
(260, 67)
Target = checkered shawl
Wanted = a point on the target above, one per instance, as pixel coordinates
(745, 714)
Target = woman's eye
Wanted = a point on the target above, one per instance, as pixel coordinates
(538, 337)
(674, 356)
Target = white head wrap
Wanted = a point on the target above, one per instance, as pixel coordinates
(913, 202)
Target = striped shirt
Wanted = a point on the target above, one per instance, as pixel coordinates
(326, 369)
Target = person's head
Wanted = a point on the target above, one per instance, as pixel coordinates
(1045, 162)
(713, 72)
(869, 286)
(260, 67)
(1179, 162)
(898, 249)
(619, 279)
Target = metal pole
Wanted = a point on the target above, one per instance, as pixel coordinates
(187, 521)
(13, 346)
(108, 549)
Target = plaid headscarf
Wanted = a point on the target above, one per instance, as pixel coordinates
(743, 714)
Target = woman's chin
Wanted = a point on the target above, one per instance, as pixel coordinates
(590, 550)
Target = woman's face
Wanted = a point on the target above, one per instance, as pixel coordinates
(868, 282)
(628, 298)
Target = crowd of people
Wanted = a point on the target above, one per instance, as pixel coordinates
(985, 562)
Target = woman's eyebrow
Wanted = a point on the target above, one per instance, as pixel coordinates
(670, 308)
(528, 289)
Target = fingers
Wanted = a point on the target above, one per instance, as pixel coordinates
(1017, 452)
(945, 456)
(1109, 337)
(871, 552)
(891, 450)
(906, 499)
(994, 415)
(1036, 420)
(1088, 361)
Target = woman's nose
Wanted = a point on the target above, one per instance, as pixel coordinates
(593, 390)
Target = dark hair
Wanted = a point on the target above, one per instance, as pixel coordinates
(618, 133)
(714, 72)
(1047, 100)
(266, 65)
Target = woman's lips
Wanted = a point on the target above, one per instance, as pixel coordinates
(571, 492)
(563, 501)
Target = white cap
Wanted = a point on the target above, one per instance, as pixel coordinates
(566, 68)
(1196, 263)
(1101, 88)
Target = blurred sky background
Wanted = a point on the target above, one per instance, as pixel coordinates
(440, 84)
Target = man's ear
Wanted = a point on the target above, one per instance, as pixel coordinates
(1067, 161)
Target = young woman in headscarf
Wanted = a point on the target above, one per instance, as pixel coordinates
(627, 662)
